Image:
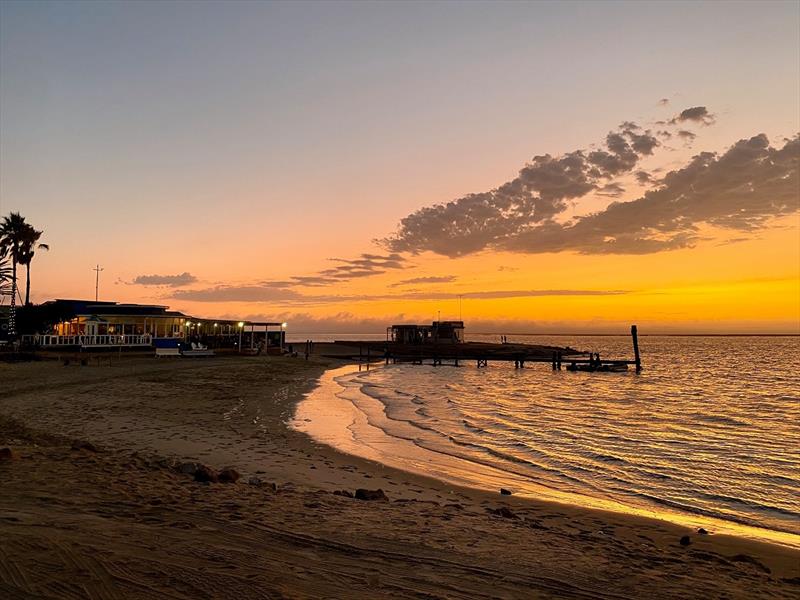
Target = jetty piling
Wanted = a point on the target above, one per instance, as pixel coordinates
(637, 359)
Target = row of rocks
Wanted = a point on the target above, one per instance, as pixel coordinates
(687, 540)
(205, 474)
(362, 494)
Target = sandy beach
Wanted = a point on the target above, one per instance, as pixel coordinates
(118, 519)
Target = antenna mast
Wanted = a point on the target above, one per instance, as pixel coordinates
(97, 269)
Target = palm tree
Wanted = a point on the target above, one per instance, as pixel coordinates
(5, 273)
(13, 230)
(28, 250)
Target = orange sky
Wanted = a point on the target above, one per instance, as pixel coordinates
(304, 133)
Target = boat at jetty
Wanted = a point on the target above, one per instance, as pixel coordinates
(604, 368)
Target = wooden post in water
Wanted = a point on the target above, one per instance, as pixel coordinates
(636, 357)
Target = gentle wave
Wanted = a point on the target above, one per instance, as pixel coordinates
(713, 436)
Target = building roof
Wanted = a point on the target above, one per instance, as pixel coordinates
(91, 307)
(98, 309)
(434, 325)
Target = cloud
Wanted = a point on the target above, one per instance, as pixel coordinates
(165, 280)
(238, 293)
(308, 280)
(663, 102)
(539, 193)
(643, 177)
(501, 294)
(302, 325)
(417, 280)
(741, 189)
(286, 297)
(614, 190)
(696, 114)
(686, 135)
(365, 265)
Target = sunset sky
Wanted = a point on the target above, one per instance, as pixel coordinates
(604, 163)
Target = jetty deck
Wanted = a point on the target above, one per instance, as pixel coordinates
(480, 352)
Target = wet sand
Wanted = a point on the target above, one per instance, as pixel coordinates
(123, 522)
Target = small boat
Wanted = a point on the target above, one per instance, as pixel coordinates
(608, 368)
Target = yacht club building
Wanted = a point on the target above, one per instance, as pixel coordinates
(87, 323)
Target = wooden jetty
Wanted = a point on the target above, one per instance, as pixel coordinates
(482, 353)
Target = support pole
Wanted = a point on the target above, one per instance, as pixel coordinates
(636, 357)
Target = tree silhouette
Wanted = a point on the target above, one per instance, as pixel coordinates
(30, 244)
(19, 242)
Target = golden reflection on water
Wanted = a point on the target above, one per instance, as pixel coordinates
(680, 443)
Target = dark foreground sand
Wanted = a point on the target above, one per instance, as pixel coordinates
(121, 522)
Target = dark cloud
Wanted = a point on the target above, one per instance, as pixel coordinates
(686, 135)
(309, 280)
(165, 280)
(538, 194)
(365, 265)
(696, 114)
(433, 279)
(741, 189)
(663, 102)
(643, 177)
(613, 190)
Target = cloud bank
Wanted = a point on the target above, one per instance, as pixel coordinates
(539, 193)
(165, 280)
(280, 295)
(425, 280)
(740, 189)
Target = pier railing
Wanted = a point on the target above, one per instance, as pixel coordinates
(88, 341)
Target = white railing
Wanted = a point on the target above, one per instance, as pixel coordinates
(88, 341)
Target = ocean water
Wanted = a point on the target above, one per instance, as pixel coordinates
(707, 434)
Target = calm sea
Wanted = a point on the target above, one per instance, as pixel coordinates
(708, 433)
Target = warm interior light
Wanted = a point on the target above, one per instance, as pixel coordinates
(241, 324)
